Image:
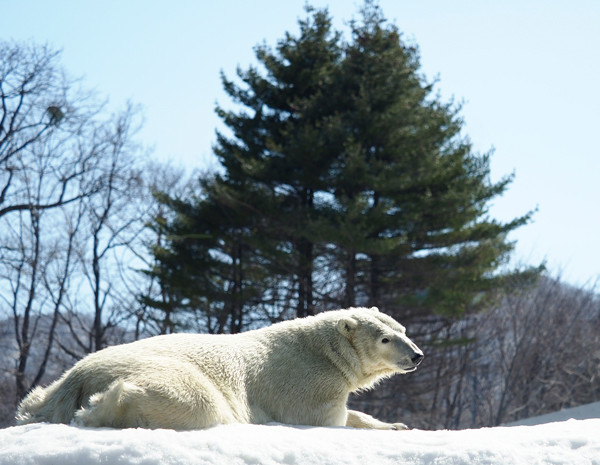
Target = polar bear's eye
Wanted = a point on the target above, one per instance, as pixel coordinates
(385, 340)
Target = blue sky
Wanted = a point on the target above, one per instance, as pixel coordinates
(527, 72)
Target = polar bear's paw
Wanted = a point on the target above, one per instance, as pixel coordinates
(399, 427)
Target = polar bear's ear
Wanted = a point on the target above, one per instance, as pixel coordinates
(374, 309)
(346, 326)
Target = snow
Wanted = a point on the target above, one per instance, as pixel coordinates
(569, 442)
(581, 412)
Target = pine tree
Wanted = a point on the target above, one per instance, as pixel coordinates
(208, 268)
(184, 269)
(345, 181)
(411, 194)
(282, 148)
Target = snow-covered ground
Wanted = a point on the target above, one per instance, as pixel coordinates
(583, 412)
(569, 442)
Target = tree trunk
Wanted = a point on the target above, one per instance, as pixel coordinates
(305, 282)
(350, 292)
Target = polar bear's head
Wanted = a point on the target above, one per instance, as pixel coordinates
(380, 342)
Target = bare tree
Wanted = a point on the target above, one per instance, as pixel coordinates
(68, 190)
(38, 173)
(536, 345)
(160, 180)
(36, 266)
(114, 219)
(41, 110)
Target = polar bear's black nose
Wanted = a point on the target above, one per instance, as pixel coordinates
(417, 358)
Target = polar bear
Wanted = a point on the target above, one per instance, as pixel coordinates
(297, 372)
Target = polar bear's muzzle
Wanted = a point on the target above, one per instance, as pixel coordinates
(411, 356)
(415, 359)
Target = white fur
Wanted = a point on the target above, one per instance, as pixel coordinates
(296, 372)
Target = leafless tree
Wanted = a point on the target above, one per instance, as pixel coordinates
(41, 111)
(112, 221)
(68, 189)
(35, 269)
(160, 179)
(544, 350)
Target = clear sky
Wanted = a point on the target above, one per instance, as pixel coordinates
(527, 71)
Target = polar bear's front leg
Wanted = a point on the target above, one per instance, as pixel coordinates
(357, 419)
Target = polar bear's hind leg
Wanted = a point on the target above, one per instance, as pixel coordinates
(117, 407)
(127, 405)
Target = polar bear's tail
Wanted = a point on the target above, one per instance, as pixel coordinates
(53, 404)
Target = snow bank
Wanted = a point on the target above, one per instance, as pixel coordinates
(582, 412)
(570, 442)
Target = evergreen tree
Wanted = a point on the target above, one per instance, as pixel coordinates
(181, 260)
(411, 194)
(345, 181)
(207, 269)
(282, 148)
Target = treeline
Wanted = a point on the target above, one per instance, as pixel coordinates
(344, 180)
(537, 351)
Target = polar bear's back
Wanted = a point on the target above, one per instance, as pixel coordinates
(218, 356)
